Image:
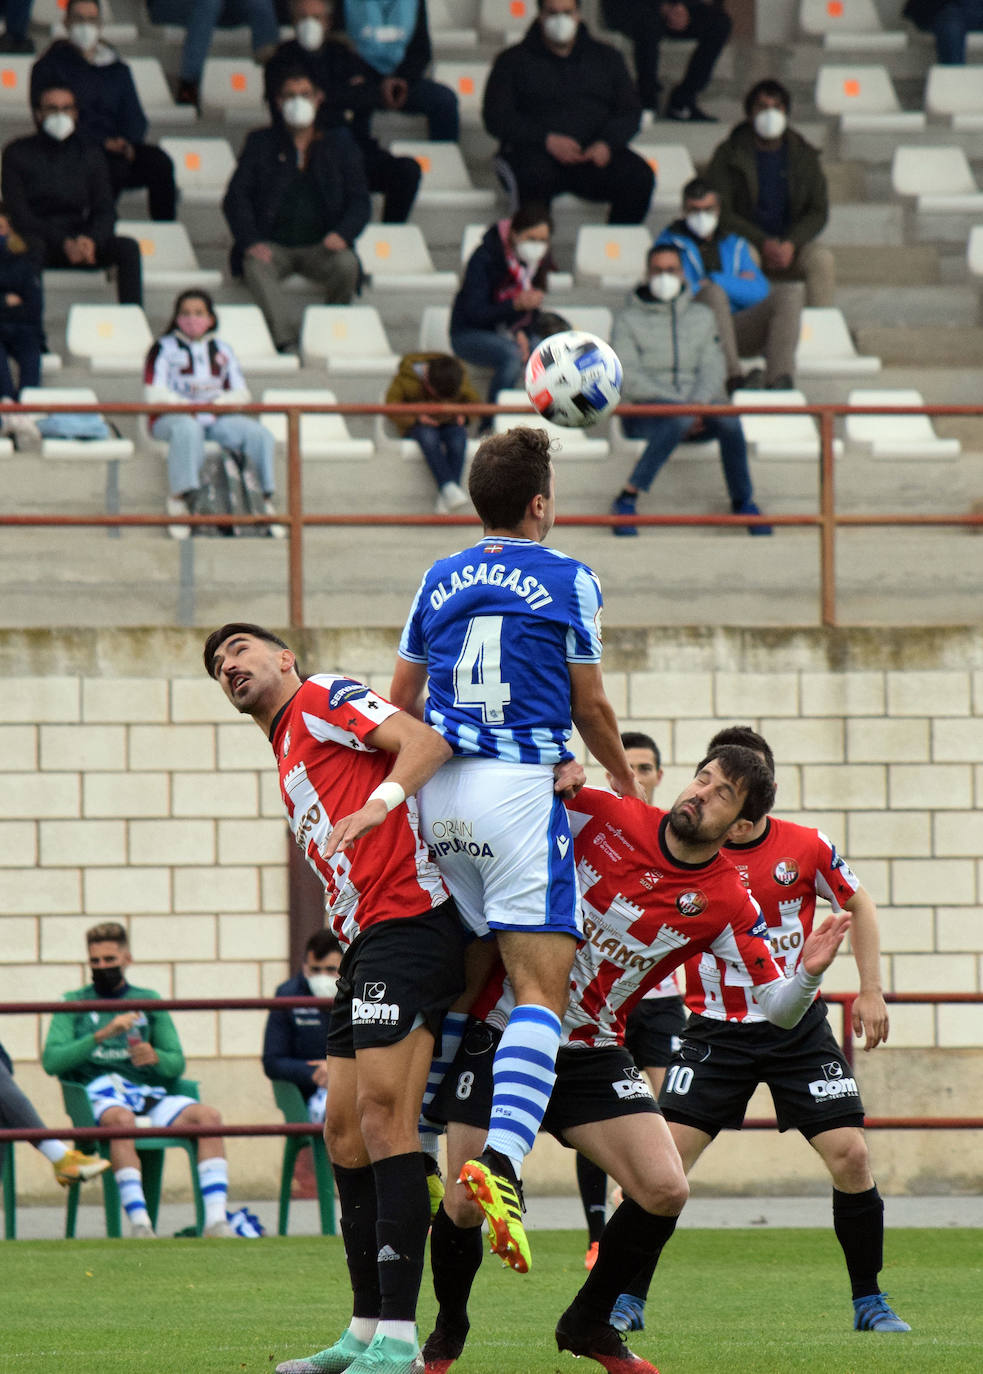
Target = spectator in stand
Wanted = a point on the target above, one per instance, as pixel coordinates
(773, 192)
(296, 1041)
(669, 349)
(563, 109)
(443, 439)
(647, 23)
(21, 316)
(17, 16)
(59, 197)
(16, 1109)
(200, 18)
(110, 115)
(494, 316)
(949, 21)
(350, 97)
(297, 202)
(752, 317)
(392, 37)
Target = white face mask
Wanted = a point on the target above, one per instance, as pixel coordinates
(310, 33)
(59, 125)
(770, 123)
(665, 286)
(702, 222)
(560, 28)
(531, 251)
(299, 111)
(84, 35)
(323, 984)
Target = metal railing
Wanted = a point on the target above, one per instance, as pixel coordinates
(826, 519)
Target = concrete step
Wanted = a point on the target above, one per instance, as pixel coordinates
(957, 347)
(903, 305)
(864, 222)
(882, 264)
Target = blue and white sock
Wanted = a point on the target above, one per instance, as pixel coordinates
(451, 1035)
(130, 1186)
(525, 1071)
(213, 1175)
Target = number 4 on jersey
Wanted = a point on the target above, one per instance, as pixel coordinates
(478, 670)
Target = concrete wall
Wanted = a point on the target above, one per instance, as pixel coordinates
(130, 790)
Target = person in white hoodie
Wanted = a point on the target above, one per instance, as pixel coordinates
(189, 363)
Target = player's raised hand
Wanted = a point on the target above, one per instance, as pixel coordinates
(870, 1019)
(820, 949)
(350, 829)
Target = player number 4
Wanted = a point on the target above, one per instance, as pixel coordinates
(478, 670)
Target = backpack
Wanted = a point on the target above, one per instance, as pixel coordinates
(229, 487)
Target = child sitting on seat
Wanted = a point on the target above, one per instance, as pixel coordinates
(442, 438)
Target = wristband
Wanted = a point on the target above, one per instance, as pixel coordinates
(389, 792)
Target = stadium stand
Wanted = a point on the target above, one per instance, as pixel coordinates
(896, 436)
(321, 436)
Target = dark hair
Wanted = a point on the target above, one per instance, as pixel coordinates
(508, 471)
(444, 376)
(664, 248)
(55, 86)
(746, 769)
(530, 214)
(747, 739)
(321, 944)
(635, 739)
(697, 188)
(297, 72)
(550, 322)
(72, 3)
(193, 293)
(769, 87)
(235, 627)
(107, 930)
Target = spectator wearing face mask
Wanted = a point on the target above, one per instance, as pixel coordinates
(773, 192)
(295, 1041)
(668, 346)
(752, 317)
(59, 197)
(110, 115)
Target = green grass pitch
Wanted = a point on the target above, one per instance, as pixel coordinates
(731, 1301)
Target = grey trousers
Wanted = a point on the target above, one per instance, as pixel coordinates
(16, 1108)
(816, 266)
(337, 273)
(771, 327)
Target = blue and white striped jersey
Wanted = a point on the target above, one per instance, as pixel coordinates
(496, 626)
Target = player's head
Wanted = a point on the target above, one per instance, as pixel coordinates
(748, 739)
(109, 953)
(511, 482)
(256, 670)
(730, 792)
(444, 376)
(644, 760)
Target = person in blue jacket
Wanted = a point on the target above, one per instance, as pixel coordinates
(753, 316)
(295, 1041)
(110, 115)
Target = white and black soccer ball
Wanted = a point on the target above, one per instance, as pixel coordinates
(573, 378)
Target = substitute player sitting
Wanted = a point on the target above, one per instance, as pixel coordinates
(509, 634)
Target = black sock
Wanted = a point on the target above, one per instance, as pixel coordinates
(642, 1282)
(593, 1184)
(356, 1193)
(858, 1220)
(455, 1258)
(632, 1238)
(401, 1232)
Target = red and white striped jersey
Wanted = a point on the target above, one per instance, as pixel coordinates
(786, 868)
(644, 914)
(327, 771)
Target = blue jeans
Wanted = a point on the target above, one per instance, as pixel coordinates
(443, 449)
(21, 342)
(185, 439)
(951, 25)
(18, 16)
(486, 348)
(665, 432)
(200, 17)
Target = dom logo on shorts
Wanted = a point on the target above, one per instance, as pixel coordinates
(627, 1088)
(372, 1008)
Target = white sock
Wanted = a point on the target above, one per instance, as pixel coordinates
(213, 1175)
(130, 1186)
(53, 1149)
(399, 1331)
(363, 1328)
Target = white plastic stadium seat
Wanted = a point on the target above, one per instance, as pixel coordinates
(896, 436)
(849, 26)
(467, 81)
(974, 250)
(940, 178)
(246, 331)
(594, 319)
(672, 164)
(825, 348)
(40, 397)
(397, 258)
(506, 19)
(780, 436)
(865, 100)
(615, 253)
(435, 322)
(167, 255)
(15, 86)
(445, 181)
(321, 436)
(155, 95)
(574, 443)
(113, 338)
(203, 168)
(453, 24)
(234, 85)
(956, 92)
(347, 339)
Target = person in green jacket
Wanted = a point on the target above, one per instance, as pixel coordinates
(128, 1062)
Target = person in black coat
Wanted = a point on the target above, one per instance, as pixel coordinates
(295, 1041)
(110, 113)
(297, 202)
(58, 195)
(564, 108)
(21, 313)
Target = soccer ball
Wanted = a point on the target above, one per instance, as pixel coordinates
(573, 378)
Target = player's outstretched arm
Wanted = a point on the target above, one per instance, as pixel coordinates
(594, 717)
(819, 950)
(419, 753)
(869, 1013)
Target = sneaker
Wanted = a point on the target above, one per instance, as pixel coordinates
(491, 1182)
(754, 380)
(689, 114)
(624, 505)
(334, 1360)
(435, 1184)
(176, 505)
(219, 1229)
(874, 1314)
(443, 1346)
(784, 382)
(274, 531)
(143, 1231)
(75, 1167)
(749, 508)
(387, 1355)
(628, 1313)
(454, 496)
(590, 1259)
(581, 1335)
(187, 93)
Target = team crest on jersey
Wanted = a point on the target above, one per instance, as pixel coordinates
(786, 872)
(286, 745)
(692, 903)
